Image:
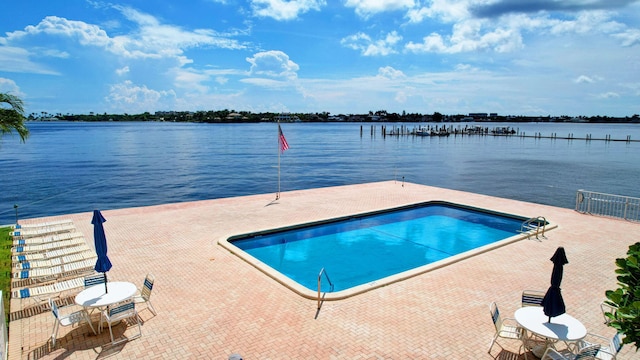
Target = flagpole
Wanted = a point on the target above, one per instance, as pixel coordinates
(279, 151)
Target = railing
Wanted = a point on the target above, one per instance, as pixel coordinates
(4, 338)
(534, 224)
(322, 271)
(617, 206)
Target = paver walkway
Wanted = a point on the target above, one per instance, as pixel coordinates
(212, 304)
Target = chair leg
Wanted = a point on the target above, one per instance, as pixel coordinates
(54, 334)
(150, 306)
(111, 333)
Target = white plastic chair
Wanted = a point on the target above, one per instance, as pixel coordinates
(606, 308)
(585, 352)
(121, 311)
(75, 317)
(144, 294)
(532, 297)
(505, 328)
(609, 347)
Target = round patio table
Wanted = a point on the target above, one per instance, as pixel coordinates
(564, 327)
(95, 296)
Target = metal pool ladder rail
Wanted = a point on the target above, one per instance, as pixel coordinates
(534, 224)
(322, 271)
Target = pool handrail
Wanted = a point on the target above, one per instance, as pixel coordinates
(322, 271)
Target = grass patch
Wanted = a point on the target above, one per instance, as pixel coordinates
(5, 265)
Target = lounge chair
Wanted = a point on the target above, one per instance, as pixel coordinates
(32, 232)
(47, 238)
(24, 249)
(44, 224)
(50, 254)
(37, 292)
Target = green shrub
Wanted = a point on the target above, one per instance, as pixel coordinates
(626, 299)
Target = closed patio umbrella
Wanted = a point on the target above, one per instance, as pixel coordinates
(552, 303)
(103, 264)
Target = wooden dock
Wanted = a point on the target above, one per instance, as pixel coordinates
(404, 130)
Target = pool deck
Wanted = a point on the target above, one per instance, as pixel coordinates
(212, 304)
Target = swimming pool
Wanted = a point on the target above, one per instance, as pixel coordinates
(364, 251)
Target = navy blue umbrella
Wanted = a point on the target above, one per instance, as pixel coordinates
(552, 303)
(103, 264)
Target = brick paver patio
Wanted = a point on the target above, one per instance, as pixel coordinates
(212, 304)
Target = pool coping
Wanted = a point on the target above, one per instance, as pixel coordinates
(385, 281)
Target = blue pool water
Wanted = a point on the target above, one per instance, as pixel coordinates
(365, 248)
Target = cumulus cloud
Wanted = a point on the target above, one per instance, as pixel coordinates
(446, 10)
(366, 8)
(152, 39)
(285, 9)
(389, 72)
(10, 86)
(122, 71)
(127, 95)
(369, 47)
(469, 36)
(502, 7)
(274, 64)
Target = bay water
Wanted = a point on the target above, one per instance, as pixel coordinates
(70, 167)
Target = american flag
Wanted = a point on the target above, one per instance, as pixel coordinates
(283, 142)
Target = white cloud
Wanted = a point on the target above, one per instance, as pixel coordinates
(283, 9)
(275, 64)
(366, 8)
(55, 53)
(135, 98)
(584, 79)
(629, 37)
(122, 71)
(446, 10)
(609, 95)
(368, 47)
(389, 72)
(18, 60)
(469, 36)
(151, 40)
(10, 86)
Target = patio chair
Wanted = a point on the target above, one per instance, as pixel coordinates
(609, 347)
(94, 279)
(505, 328)
(532, 297)
(606, 308)
(584, 352)
(75, 317)
(122, 311)
(144, 294)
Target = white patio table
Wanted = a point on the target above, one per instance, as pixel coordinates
(564, 327)
(95, 296)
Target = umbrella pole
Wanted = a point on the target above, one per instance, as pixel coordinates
(106, 290)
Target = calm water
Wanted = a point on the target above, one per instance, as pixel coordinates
(77, 167)
(360, 250)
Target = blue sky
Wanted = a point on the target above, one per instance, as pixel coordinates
(513, 57)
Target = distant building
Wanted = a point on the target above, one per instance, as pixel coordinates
(286, 117)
